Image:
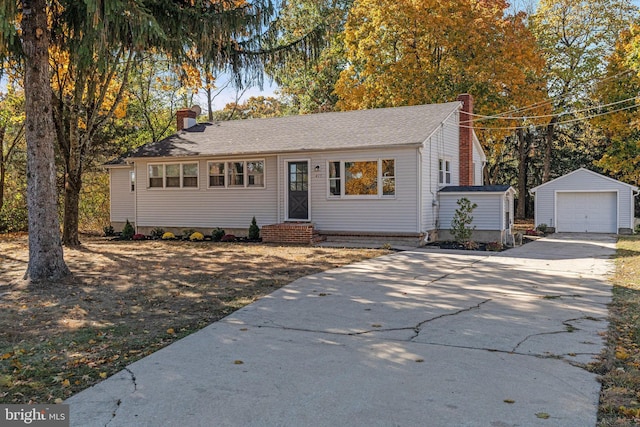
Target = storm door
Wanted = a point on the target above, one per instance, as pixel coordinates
(298, 191)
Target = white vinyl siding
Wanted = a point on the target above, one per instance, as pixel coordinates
(582, 180)
(122, 199)
(387, 214)
(442, 144)
(489, 215)
(205, 208)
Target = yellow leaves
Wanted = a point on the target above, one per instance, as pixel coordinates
(621, 354)
(103, 375)
(408, 52)
(66, 383)
(171, 331)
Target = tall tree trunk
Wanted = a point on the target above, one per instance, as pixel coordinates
(72, 180)
(72, 187)
(523, 156)
(548, 148)
(46, 259)
(2, 167)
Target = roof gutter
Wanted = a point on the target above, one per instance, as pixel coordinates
(276, 152)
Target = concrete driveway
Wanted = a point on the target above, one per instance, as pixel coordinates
(417, 338)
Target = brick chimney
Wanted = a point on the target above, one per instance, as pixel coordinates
(466, 139)
(182, 114)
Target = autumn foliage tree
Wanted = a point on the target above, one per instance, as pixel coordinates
(621, 129)
(410, 52)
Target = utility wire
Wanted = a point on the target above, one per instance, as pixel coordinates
(556, 98)
(556, 123)
(546, 116)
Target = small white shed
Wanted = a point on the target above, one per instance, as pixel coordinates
(492, 218)
(584, 201)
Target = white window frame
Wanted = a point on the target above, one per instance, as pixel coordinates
(132, 181)
(245, 174)
(181, 178)
(380, 191)
(443, 173)
(224, 174)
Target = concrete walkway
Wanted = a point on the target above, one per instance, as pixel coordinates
(417, 338)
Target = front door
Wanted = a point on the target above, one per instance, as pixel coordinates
(298, 197)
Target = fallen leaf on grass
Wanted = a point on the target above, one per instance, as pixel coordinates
(171, 331)
(103, 375)
(66, 383)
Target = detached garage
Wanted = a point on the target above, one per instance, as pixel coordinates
(585, 202)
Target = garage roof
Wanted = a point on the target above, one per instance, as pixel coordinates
(583, 170)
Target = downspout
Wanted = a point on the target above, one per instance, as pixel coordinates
(419, 195)
(135, 195)
(279, 212)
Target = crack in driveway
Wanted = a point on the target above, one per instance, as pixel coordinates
(119, 401)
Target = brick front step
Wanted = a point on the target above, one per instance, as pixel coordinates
(288, 232)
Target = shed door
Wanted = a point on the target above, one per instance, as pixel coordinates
(591, 212)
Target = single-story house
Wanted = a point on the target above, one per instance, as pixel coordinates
(375, 172)
(585, 201)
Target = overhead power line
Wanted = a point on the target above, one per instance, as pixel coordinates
(556, 123)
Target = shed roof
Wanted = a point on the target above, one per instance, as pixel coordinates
(476, 189)
(376, 128)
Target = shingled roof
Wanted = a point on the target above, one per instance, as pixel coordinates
(376, 128)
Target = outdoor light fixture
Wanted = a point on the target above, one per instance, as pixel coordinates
(317, 168)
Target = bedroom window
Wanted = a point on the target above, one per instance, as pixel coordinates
(255, 174)
(190, 175)
(366, 178)
(444, 171)
(216, 174)
(156, 176)
(173, 175)
(237, 174)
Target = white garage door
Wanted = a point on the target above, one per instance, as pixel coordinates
(595, 212)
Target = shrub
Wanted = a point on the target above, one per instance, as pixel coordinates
(228, 238)
(470, 245)
(128, 231)
(187, 233)
(542, 228)
(254, 230)
(108, 231)
(168, 236)
(196, 237)
(157, 233)
(217, 234)
(139, 236)
(460, 224)
(637, 229)
(495, 246)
